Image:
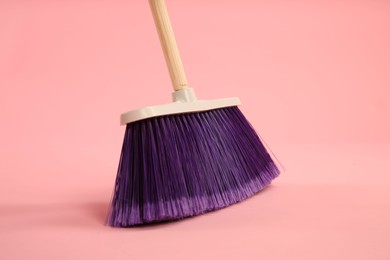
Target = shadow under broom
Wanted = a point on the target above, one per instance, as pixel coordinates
(187, 157)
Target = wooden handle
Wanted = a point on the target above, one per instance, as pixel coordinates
(168, 44)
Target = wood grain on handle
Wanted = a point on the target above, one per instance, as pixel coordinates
(168, 44)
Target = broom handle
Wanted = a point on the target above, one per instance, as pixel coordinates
(168, 44)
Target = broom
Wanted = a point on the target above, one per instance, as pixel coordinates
(188, 157)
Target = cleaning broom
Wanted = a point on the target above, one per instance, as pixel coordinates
(187, 157)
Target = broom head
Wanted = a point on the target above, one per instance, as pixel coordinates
(187, 158)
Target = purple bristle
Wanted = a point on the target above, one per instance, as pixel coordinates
(177, 166)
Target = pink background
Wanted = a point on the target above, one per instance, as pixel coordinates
(314, 79)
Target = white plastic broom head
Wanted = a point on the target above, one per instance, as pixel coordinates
(184, 101)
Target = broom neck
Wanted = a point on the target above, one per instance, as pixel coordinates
(168, 44)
